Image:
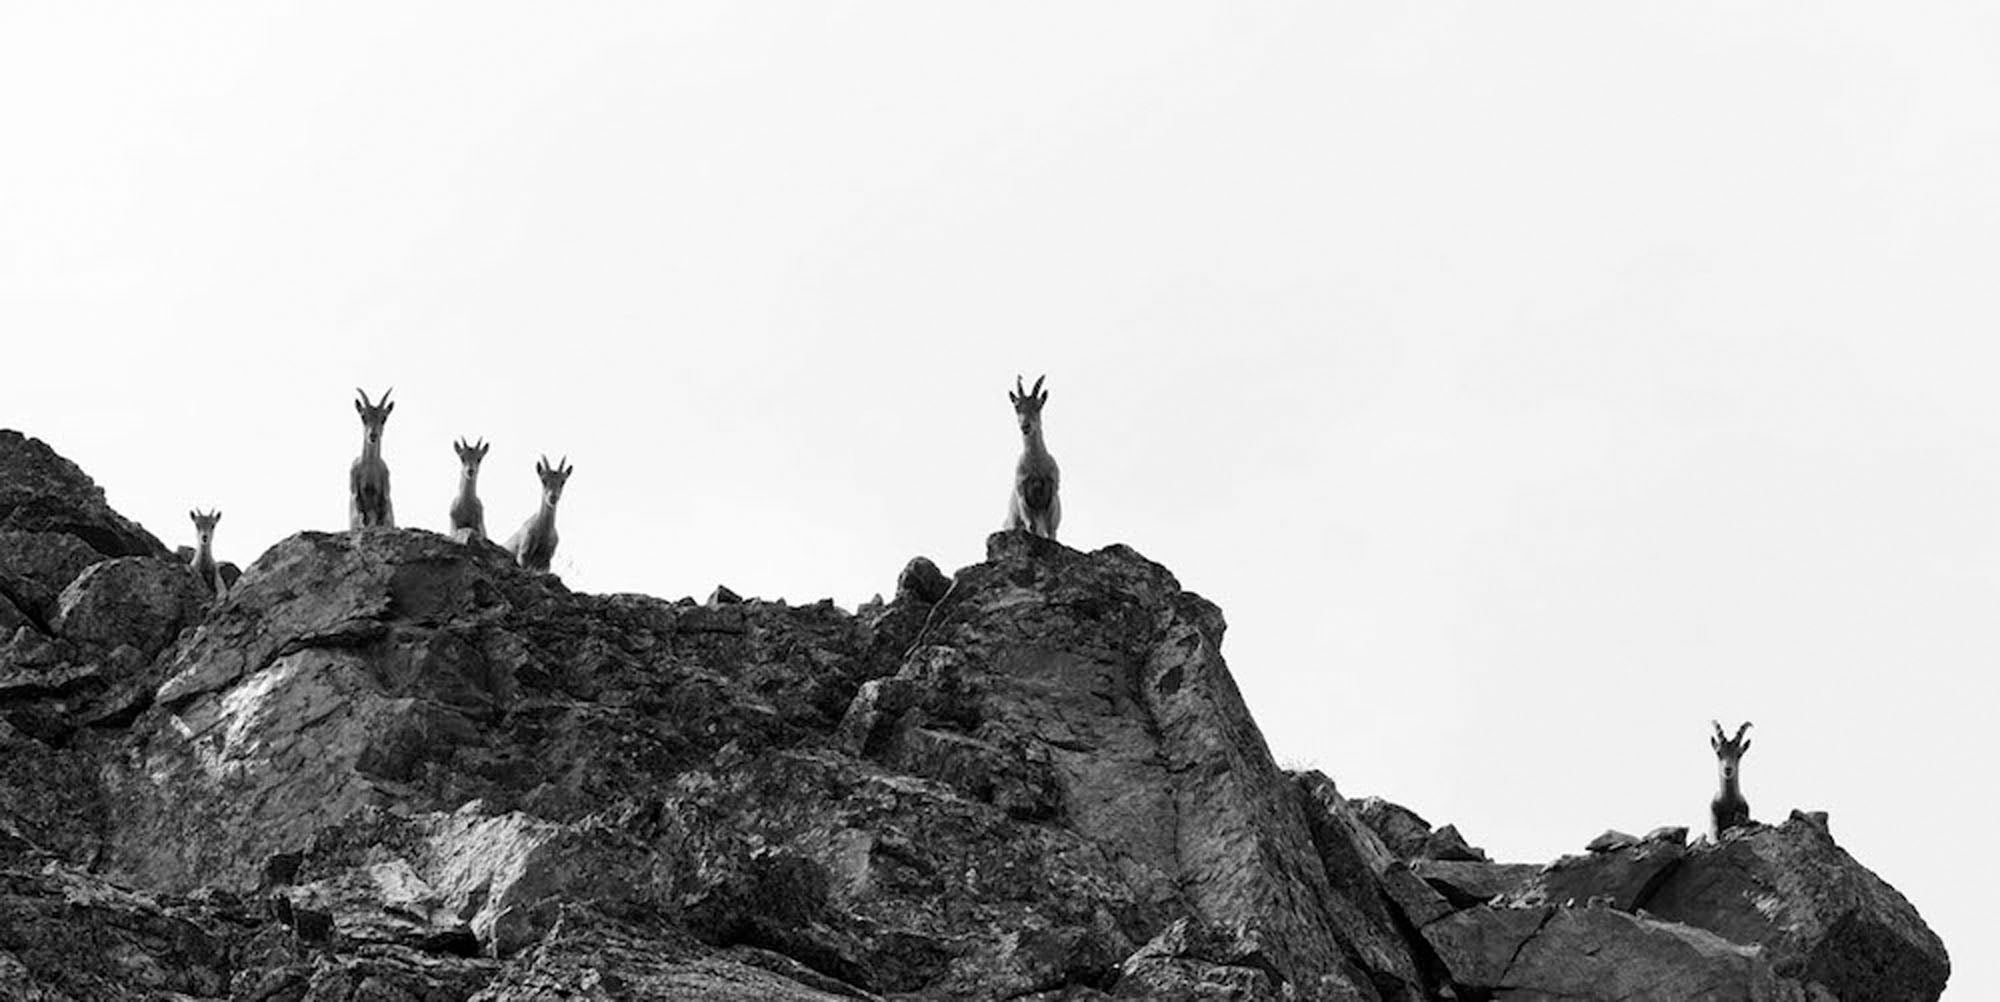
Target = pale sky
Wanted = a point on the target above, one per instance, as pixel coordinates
(1529, 383)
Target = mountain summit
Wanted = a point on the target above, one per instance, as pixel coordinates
(393, 766)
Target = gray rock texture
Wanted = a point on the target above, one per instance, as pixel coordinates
(392, 767)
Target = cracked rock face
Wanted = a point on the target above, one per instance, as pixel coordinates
(390, 766)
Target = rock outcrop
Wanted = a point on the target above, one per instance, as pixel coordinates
(392, 766)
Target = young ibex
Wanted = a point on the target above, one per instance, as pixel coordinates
(368, 479)
(204, 565)
(1729, 810)
(1035, 505)
(534, 544)
(468, 516)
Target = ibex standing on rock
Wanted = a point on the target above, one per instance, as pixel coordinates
(368, 479)
(204, 555)
(534, 544)
(1035, 505)
(1729, 809)
(468, 516)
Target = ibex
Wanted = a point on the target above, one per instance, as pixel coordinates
(534, 544)
(368, 479)
(1035, 505)
(203, 563)
(468, 516)
(1729, 809)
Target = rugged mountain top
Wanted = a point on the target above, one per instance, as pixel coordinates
(389, 766)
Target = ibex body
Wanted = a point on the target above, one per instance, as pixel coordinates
(205, 568)
(534, 544)
(468, 515)
(1729, 810)
(1036, 504)
(368, 479)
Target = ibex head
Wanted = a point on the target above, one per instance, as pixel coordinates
(1729, 751)
(553, 478)
(470, 455)
(374, 415)
(1028, 403)
(204, 523)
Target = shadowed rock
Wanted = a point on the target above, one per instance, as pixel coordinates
(1820, 916)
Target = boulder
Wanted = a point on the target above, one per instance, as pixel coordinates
(1409, 836)
(1611, 841)
(36, 566)
(1625, 878)
(141, 601)
(41, 492)
(1466, 883)
(1817, 914)
(50, 687)
(1598, 953)
(921, 582)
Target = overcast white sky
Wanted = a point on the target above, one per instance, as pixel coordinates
(1529, 383)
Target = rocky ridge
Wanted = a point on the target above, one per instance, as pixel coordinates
(390, 766)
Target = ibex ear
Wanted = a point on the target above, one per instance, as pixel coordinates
(1037, 391)
(192, 515)
(1745, 747)
(357, 408)
(1715, 742)
(388, 410)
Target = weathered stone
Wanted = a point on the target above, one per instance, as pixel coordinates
(1448, 845)
(1624, 878)
(921, 582)
(36, 566)
(368, 669)
(1465, 883)
(465, 883)
(1820, 916)
(1102, 667)
(65, 934)
(1403, 830)
(722, 596)
(1367, 881)
(590, 957)
(892, 884)
(1598, 953)
(12, 618)
(50, 800)
(43, 492)
(1196, 962)
(1612, 841)
(139, 601)
(1677, 834)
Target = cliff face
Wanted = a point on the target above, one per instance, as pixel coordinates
(390, 766)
